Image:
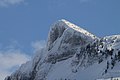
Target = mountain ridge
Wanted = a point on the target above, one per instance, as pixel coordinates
(72, 53)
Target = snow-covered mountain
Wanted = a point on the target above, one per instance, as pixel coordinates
(72, 53)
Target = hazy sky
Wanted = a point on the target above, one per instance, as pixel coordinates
(25, 23)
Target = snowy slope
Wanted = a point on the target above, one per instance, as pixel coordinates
(72, 53)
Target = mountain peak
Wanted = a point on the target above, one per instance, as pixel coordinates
(63, 29)
(75, 53)
(68, 25)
